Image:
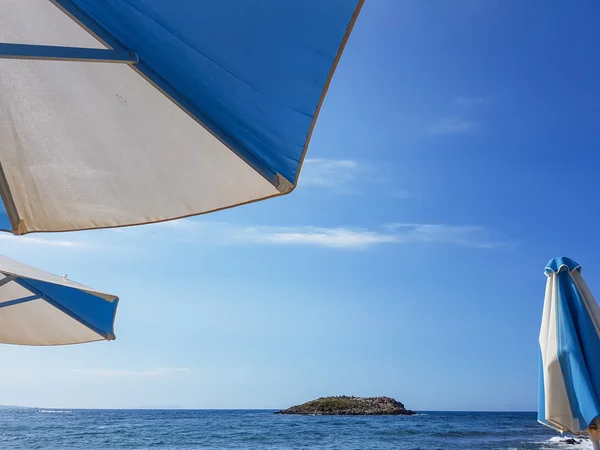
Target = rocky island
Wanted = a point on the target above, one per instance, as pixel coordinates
(350, 406)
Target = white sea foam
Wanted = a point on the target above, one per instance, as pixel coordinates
(559, 442)
(55, 411)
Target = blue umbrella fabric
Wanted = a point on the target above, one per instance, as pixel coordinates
(569, 376)
(126, 112)
(38, 308)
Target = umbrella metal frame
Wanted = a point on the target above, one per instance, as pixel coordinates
(116, 52)
(54, 53)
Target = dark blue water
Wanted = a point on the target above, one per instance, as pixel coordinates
(178, 429)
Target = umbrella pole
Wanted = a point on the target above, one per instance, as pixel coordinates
(594, 434)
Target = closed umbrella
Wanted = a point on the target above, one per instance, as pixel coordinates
(124, 112)
(569, 383)
(38, 308)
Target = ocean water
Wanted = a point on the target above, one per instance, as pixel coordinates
(180, 429)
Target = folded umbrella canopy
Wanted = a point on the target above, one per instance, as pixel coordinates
(38, 308)
(569, 384)
(205, 105)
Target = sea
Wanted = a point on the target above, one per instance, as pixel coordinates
(31, 428)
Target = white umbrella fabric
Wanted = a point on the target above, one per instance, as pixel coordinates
(125, 112)
(38, 308)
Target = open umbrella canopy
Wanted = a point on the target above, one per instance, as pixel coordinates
(569, 395)
(205, 105)
(38, 308)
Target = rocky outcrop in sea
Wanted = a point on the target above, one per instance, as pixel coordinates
(350, 406)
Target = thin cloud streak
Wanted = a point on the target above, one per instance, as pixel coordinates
(328, 172)
(218, 233)
(402, 195)
(39, 241)
(202, 232)
(154, 372)
(322, 237)
(469, 236)
(343, 176)
(451, 125)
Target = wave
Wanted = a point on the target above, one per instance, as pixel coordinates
(457, 433)
(407, 432)
(6, 437)
(55, 411)
(559, 442)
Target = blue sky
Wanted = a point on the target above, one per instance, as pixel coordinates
(455, 154)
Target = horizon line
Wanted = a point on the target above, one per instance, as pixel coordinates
(171, 408)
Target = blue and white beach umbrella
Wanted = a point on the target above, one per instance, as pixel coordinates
(116, 113)
(38, 308)
(569, 384)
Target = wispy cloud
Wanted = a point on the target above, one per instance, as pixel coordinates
(345, 176)
(451, 125)
(349, 238)
(41, 241)
(469, 101)
(402, 194)
(470, 236)
(154, 372)
(80, 241)
(320, 237)
(218, 233)
(328, 172)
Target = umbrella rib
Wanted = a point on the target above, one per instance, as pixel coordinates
(7, 279)
(56, 53)
(71, 314)
(18, 301)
